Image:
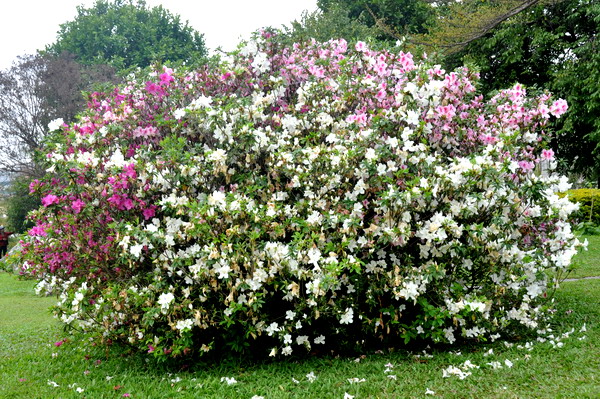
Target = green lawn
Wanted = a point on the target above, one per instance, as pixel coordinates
(587, 263)
(565, 366)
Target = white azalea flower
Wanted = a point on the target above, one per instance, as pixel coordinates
(164, 300)
(55, 124)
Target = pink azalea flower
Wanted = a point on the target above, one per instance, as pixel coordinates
(559, 107)
(488, 139)
(145, 131)
(360, 46)
(381, 94)
(526, 165)
(317, 71)
(446, 111)
(548, 154)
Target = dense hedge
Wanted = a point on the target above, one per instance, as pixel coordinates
(300, 198)
(589, 204)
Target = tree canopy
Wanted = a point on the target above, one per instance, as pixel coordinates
(124, 34)
(402, 16)
(334, 23)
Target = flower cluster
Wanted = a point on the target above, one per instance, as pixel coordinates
(308, 197)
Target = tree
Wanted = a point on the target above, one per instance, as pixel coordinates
(34, 91)
(394, 18)
(126, 34)
(334, 23)
(23, 118)
(63, 80)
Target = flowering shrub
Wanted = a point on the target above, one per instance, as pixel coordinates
(310, 197)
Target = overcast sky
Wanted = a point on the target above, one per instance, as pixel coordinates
(29, 25)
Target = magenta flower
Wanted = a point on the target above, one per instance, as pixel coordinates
(38, 231)
(149, 212)
(33, 185)
(49, 200)
(166, 78)
(154, 88)
(128, 203)
(129, 171)
(77, 205)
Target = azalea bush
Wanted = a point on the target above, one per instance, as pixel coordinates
(301, 199)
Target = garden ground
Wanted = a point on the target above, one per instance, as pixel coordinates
(565, 365)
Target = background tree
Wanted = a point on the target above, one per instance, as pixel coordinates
(128, 34)
(23, 118)
(63, 80)
(334, 23)
(34, 91)
(393, 18)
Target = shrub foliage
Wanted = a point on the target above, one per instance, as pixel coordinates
(305, 198)
(19, 204)
(589, 204)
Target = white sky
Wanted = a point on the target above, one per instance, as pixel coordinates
(29, 25)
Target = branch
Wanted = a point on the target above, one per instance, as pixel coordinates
(484, 30)
(477, 30)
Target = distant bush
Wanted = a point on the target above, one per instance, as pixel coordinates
(589, 204)
(587, 217)
(319, 196)
(19, 204)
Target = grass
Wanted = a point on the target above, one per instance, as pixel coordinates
(587, 263)
(561, 367)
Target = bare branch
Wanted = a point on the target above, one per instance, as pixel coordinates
(33, 92)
